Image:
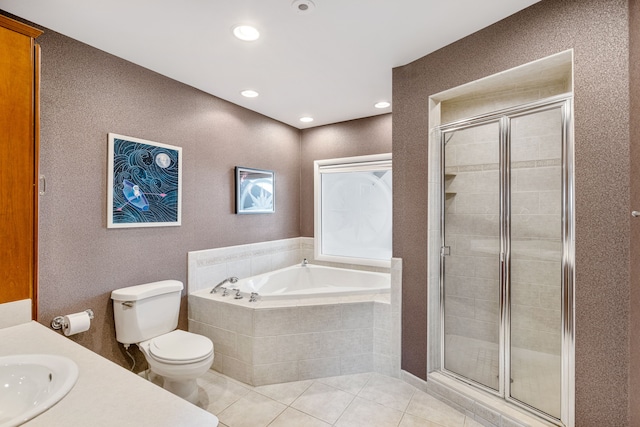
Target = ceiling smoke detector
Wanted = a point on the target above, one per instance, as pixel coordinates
(303, 6)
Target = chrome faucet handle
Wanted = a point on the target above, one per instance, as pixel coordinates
(254, 297)
(225, 292)
(238, 296)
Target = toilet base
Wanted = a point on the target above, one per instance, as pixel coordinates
(179, 379)
(186, 389)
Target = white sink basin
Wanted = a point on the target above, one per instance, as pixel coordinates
(32, 383)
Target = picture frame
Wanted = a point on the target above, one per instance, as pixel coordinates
(144, 183)
(255, 190)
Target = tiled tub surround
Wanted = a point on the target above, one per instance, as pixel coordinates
(274, 341)
(208, 267)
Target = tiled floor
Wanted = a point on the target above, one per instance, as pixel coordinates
(370, 400)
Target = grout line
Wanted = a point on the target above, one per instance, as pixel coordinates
(351, 402)
(346, 407)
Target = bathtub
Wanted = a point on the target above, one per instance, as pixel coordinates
(307, 322)
(313, 280)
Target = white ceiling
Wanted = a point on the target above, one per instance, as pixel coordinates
(332, 63)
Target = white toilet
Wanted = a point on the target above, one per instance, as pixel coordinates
(147, 315)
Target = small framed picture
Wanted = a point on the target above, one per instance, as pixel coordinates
(144, 184)
(255, 191)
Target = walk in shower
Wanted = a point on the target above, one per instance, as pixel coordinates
(506, 257)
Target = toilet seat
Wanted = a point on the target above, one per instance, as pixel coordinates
(180, 347)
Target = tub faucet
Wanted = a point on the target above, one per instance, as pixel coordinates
(228, 279)
(304, 263)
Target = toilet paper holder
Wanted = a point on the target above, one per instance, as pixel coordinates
(58, 321)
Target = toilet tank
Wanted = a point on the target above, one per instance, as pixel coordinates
(145, 311)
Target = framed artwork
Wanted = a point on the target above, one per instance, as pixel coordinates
(255, 190)
(144, 184)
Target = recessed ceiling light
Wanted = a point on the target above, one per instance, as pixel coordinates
(249, 93)
(246, 33)
(306, 119)
(382, 104)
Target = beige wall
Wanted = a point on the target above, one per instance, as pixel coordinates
(598, 32)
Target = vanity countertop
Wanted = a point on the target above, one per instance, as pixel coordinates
(105, 394)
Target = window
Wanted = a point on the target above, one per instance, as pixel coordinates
(353, 210)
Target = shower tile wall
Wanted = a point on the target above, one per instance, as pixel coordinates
(208, 267)
(536, 249)
(510, 96)
(472, 229)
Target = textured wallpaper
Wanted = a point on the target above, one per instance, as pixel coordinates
(598, 31)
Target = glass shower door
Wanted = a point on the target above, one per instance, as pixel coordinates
(506, 272)
(536, 259)
(471, 253)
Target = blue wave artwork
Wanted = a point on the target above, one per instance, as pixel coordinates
(145, 183)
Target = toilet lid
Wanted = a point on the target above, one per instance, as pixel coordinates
(180, 346)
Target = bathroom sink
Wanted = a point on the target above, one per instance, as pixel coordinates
(32, 383)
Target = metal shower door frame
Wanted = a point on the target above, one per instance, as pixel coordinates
(503, 117)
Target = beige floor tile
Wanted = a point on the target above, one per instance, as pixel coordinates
(387, 391)
(365, 413)
(429, 408)
(252, 410)
(470, 422)
(284, 393)
(324, 402)
(349, 383)
(294, 418)
(411, 421)
(220, 375)
(219, 392)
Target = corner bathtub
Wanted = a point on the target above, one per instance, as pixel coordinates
(313, 280)
(307, 322)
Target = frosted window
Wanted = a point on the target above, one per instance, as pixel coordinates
(355, 211)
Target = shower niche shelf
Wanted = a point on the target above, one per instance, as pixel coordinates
(448, 176)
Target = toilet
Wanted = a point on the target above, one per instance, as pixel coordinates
(147, 315)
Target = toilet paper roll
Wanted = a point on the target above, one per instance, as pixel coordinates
(76, 323)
